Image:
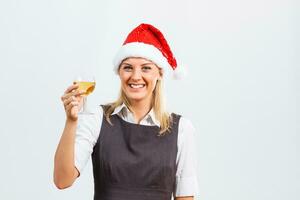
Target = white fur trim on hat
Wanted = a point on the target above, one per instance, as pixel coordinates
(139, 49)
(179, 73)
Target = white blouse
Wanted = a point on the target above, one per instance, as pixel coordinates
(88, 130)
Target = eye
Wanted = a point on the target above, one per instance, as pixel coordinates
(146, 68)
(127, 68)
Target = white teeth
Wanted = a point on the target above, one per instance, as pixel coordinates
(136, 85)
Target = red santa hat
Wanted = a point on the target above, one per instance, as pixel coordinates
(148, 42)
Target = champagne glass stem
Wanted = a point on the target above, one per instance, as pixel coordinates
(84, 106)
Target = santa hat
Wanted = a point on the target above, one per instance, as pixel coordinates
(148, 42)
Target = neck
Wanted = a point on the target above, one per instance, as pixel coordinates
(140, 109)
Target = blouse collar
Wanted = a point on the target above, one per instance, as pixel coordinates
(124, 111)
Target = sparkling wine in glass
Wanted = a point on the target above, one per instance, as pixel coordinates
(86, 84)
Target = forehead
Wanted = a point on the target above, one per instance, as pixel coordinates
(137, 61)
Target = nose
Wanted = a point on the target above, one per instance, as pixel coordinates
(136, 74)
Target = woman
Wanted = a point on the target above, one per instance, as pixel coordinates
(139, 151)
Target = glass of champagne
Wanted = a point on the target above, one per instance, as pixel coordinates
(86, 84)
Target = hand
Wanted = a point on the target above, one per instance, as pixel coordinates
(73, 101)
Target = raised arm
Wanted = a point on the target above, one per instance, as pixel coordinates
(65, 172)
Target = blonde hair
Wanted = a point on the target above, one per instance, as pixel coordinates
(157, 104)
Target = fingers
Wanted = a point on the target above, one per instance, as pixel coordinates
(72, 91)
(72, 87)
(70, 100)
(72, 110)
(71, 105)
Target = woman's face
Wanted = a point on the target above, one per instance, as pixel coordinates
(138, 78)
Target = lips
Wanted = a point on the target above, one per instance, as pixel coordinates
(136, 86)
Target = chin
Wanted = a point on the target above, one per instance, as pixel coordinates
(136, 97)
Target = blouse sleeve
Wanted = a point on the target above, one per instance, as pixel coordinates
(186, 176)
(87, 133)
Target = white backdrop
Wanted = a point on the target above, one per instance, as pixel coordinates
(241, 93)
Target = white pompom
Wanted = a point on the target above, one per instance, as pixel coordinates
(179, 73)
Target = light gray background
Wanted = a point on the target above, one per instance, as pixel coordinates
(241, 93)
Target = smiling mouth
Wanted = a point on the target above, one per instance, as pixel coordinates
(136, 86)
